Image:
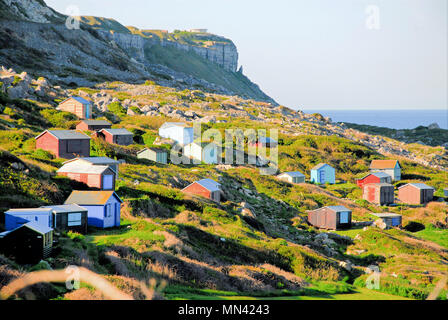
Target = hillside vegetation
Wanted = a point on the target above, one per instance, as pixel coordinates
(202, 249)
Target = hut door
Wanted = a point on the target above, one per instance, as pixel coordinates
(322, 176)
(117, 214)
(108, 182)
(371, 194)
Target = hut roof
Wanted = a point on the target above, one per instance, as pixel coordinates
(79, 99)
(293, 174)
(320, 165)
(96, 122)
(82, 167)
(66, 134)
(383, 164)
(118, 132)
(36, 227)
(91, 197)
(377, 174)
(420, 186)
(208, 184)
(66, 208)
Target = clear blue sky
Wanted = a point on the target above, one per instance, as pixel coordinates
(315, 54)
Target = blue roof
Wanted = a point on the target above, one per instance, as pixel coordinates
(209, 184)
(338, 208)
(37, 227)
(293, 174)
(320, 166)
(267, 140)
(79, 99)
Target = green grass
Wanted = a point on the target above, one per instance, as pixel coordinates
(439, 236)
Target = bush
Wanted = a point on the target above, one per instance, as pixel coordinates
(117, 109)
(60, 119)
(8, 111)
(43, 154)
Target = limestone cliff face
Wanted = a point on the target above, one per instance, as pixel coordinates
(34, 11)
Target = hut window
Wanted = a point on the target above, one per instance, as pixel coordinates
(74, 219)
(343, 217)
(108, 212)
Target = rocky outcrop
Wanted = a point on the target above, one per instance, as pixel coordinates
(35, 11)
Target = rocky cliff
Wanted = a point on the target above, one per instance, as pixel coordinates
(34, 38)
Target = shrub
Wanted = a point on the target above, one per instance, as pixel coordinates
(60, 119)
(117, 109)
(43, 154)
(8, 111)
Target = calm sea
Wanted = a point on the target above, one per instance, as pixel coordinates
(396, 119)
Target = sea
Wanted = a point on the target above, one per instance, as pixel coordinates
(394, 119)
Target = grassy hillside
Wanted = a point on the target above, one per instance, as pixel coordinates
(201, 249)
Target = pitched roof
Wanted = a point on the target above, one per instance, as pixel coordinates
(173, 124)
(91, 197)
(36, 227)
(293, 174)
(66, 134)
(338, 208)
(387, 215)
(208, 184)
(381, 184)
(96, 122)
(157, 150)
(383, 164)
(421, 186)
(95, 160)
(320, 165)
(118, 132)
(377, 174)
(79, 99)
(82, 167)
(29, 210)
(65, 208)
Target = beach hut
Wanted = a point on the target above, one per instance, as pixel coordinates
(389, 220)
(97, 161)
(69, 217)
(121, 137)
(206, 188)
(391, 167)
(375, 177)
(81, 107)
(14, 218)
(67, 144)
(159, 155)
(100, 177)
(323, 173)
(204, 152)
(415, 193)
(292, 177)
(379, 193)
(28, 243)
(93, 125)
(103, 207)
(177, 131)
(331, 218)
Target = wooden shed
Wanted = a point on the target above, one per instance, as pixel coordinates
(415, 193)
(81, 107)
(99, 177)
(159, 155)
(69, 217)
(331, 218)
(323, 173)
(103, 207)
(67, 144)
(292, 177)
(121, 137)
(14, 218)
(379, 193)
(179, 132)
(375, 177)
(93, 125)
(206, 188)
(391, 220)
(98, 161)
(205, 152)
(28, 243)
(391, 167)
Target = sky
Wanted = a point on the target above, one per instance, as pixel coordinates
(315, 54)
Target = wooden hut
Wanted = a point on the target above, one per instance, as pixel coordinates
(67, 144)
(292, 177)
(81, 107)
(98, 161)
(390, 220)
(159, 155)
(323, 173)
(415, 193)
(69, 217)
(103, 207)
(29, 243)
(379, 193)
(179, 132)
(203, 152)
(93, 125)
(375, 177)
(99, 177)
(331, 218)
(121, 137)
(206, 188)
(391, 167)
(14, 218)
